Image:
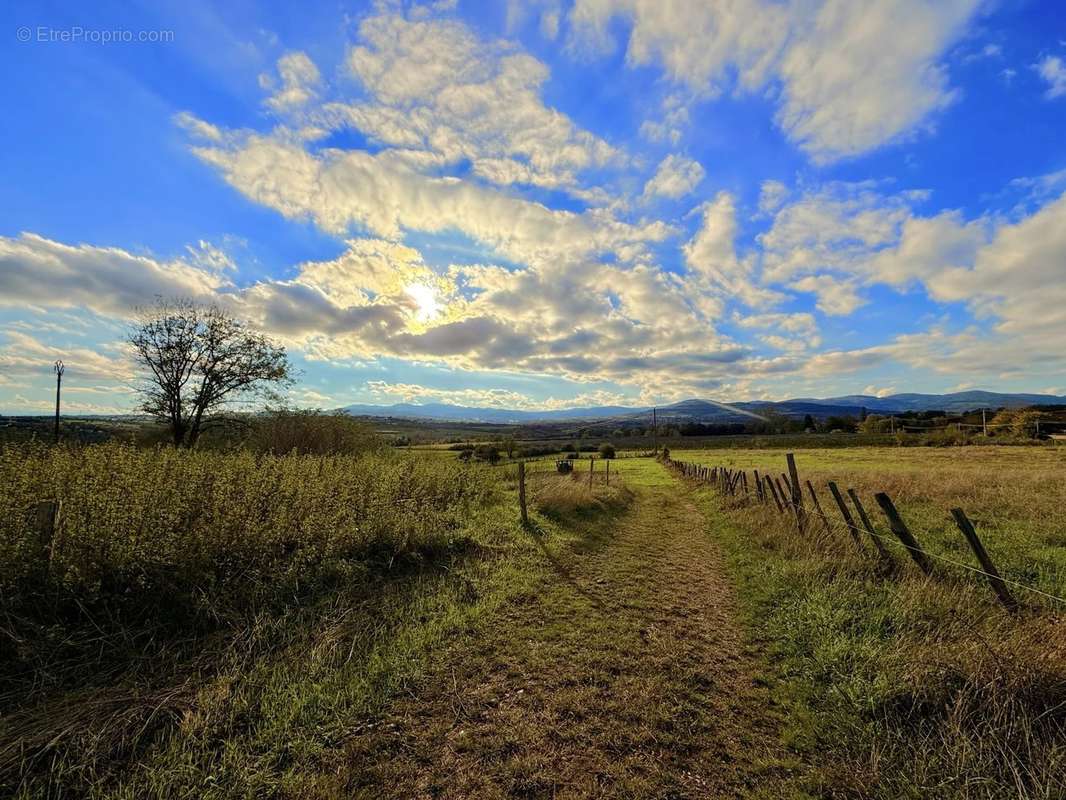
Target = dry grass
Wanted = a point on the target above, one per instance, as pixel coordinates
(196, 598)
(567, 496)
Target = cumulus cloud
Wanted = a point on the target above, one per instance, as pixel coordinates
(711, 255)
(836, 296)
(434, 86)
(675, 177)
(853, 76)
(383, 194)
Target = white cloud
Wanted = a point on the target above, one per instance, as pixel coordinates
(1053, 71)
(297, 83)
(853, 75)
(384, 195)
(489, 398)
(669, 124)
(675, 177)
(105, 279)
(711, 255)
(836, 296)
(436, 87)
(197, 128)
(838, 226)
(25, 355)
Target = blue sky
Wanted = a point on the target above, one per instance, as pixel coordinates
(542, 204)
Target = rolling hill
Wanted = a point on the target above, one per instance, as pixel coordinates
(698, 410)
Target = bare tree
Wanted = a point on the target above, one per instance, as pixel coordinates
(197, 359)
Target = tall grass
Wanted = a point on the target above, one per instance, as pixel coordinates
(215, 531)
(172, 569)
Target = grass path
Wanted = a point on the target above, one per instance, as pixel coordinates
(620, 673)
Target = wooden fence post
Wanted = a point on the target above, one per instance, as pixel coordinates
(797, 492)
(781, 488)
(869, 526)
(994, 578)
(773, 492)
(899, 527)
(758, 486)
(845, 513)
(818, 509)
(522, 491)
(607, 479)
(591, 466)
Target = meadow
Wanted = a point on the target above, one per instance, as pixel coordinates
(234, 623)
(908, 686)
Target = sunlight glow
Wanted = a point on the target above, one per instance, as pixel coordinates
(426, 300)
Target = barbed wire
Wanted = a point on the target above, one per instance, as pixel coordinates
(788, 503)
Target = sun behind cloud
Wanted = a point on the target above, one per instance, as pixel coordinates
(428, 306)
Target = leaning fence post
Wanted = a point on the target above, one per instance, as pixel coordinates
(899, 527)
(818, 509)
(797, 493)
(784, 495)
(869, 525)
(994, 578)
(773, 492)
(845, 513)
(522, 491)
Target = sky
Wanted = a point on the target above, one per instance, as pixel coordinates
(541, 204)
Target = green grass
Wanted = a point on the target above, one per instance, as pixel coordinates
(226, 625)
(1010, 494)
(899, 686)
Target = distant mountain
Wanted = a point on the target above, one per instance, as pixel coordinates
(955, 402)
(451, 413)
(712, 411)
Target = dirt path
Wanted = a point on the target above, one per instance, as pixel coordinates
(623, 675)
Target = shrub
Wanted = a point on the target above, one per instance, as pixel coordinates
(606, 450)
(487, 452)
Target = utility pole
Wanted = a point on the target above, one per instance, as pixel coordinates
(654, 431)
(58, 368)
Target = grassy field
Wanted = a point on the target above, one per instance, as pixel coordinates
(898, 685)
(212, 622)
(208, 624)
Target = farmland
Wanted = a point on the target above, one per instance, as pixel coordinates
(380, 624)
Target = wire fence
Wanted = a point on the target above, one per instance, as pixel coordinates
(786, 497)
